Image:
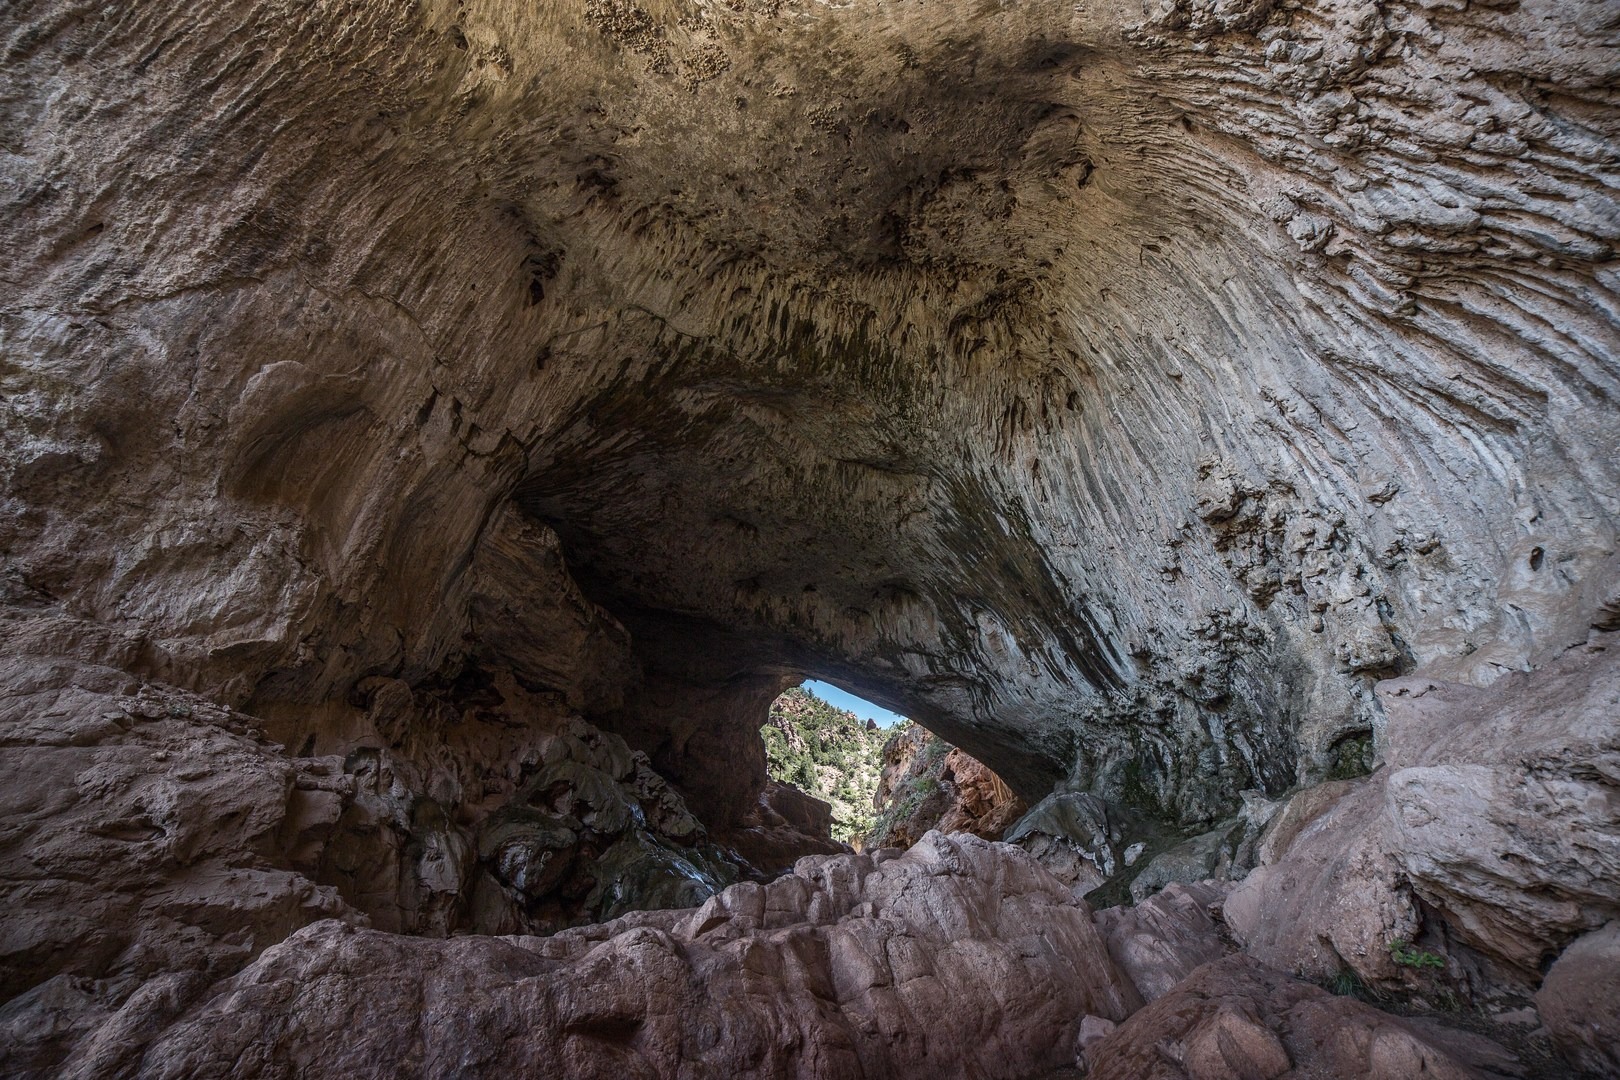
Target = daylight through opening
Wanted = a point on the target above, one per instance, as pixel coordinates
(883, 779)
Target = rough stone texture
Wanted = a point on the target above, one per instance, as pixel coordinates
(1579, 1002)
(928, 784)
(785, 824)
(147, 829)
(985, 805)
(1076, 837)
(1495, 820)
(1120, 391)
(1235, 1020)
(828, 972)
(1159, 942)
(154, 842)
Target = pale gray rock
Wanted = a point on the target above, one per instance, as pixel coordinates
(1205, 856)
(1076, 836)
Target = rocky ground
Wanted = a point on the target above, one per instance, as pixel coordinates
(957, 957)
(432, 433)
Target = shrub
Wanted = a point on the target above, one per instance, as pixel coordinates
(1405, 954)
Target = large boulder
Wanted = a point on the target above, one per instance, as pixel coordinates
(1494, 823)
(1579, 1002)
(1234, 1019)
(156, 842)
(1159, 942)
(958, 958)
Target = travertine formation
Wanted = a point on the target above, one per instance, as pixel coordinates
(1497, 810)
(433, 431)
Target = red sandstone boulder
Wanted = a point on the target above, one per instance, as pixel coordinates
(1580, 1002)
(957, 958)
(1234, 1019)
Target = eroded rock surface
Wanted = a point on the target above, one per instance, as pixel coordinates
(1161, 941)
(155, 842)
(1233, 1019)
(389, 387)
(1580, 1002)
(1493, 822)
(957, 958)
(928, 784)
(1120, 393)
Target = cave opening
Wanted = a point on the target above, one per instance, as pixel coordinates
(866, 711)
(430, 454)
(872, 778)
(829, 744)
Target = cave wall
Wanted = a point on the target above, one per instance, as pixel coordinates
(1120, 395)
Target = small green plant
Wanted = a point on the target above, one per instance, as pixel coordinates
(1346, 983)
(1405, 954)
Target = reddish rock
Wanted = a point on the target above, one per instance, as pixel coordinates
(1160, 941)
(1579, 1002)
(785, 825)
(957, 958)
(985, 806)
(927, 784)
(1494, 808)
(1235, 1019)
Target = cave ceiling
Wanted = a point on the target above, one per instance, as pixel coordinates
(1122, 395)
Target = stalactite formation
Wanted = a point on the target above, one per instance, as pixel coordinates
(434, 431)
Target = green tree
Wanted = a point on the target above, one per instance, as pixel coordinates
(828, 752)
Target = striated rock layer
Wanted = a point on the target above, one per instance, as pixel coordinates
(1119, 395)
(413, 411)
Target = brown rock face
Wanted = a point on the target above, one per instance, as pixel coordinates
(824, 973)
(1235, 1020)
(784, 825)
(1496, 810)
(431, 433)
(1580, 1002)
(1035, 369)
(148, 833)
(927, 784)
